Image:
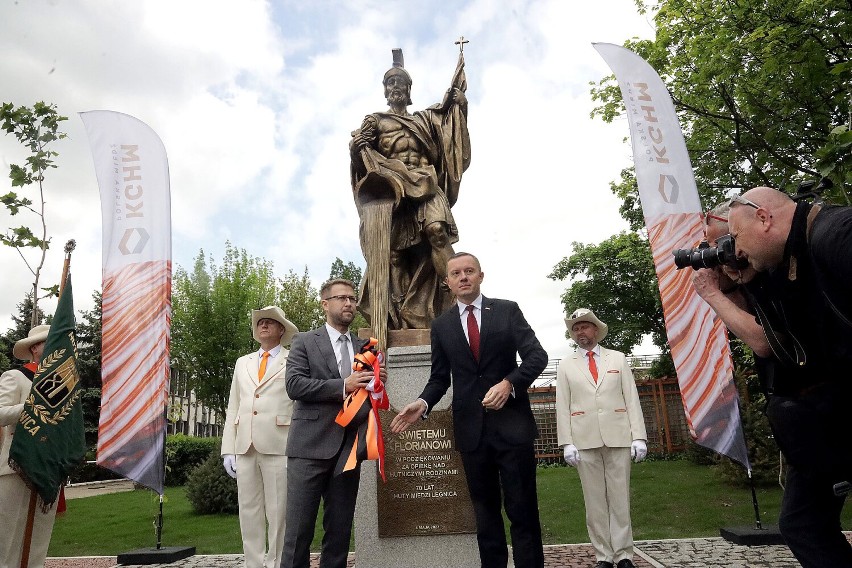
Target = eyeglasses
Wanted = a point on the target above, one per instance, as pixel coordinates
(742, 201)
(715, 218)
(343, 298)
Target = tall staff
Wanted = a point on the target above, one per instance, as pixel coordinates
(50, 440)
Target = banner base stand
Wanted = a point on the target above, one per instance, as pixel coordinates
(154, 555)
(752, 536)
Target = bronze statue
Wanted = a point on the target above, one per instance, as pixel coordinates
(406, 170)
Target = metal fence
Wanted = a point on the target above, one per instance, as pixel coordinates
(662, 408)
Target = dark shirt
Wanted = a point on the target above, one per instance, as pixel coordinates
(792, 300)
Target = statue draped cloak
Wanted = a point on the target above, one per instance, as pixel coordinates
(422, 196)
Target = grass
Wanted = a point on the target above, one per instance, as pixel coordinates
(670, 499)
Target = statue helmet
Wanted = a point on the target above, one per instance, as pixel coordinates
(398, 69)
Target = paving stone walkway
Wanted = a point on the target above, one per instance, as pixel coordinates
(680, 553)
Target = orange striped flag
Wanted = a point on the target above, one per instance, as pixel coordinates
(133, 176)
(672, 210)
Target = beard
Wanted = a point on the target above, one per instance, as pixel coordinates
(397, 97)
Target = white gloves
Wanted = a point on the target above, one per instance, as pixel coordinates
(230, 463)
(571, 454)
(638, 450)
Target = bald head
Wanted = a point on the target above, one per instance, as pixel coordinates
(760, 222)
(769, 198)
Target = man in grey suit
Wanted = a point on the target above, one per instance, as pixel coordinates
(319, 377)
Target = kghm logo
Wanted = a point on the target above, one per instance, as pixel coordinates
(669, 188)
(135, 238)
(133, 241)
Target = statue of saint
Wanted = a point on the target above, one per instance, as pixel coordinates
(406, 170)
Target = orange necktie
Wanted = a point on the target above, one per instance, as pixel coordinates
(593, 367)
(262, 370)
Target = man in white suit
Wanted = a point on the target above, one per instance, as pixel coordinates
(14, 494)
(600, 425)
(254, 441)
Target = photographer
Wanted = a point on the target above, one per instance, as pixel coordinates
(801, 299)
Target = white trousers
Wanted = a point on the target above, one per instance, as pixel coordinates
(14, 505)
(262, 492)
(605, 476)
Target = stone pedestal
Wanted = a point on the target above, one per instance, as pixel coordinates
(428, 546)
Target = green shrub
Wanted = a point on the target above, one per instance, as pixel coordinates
(762, 449)
(210, 490)
(184, 453)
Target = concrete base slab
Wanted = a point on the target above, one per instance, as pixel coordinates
(154, 555)
(752, 536)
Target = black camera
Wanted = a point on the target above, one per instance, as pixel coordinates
(706, 256)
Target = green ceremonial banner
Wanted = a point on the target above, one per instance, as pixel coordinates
(49, 439)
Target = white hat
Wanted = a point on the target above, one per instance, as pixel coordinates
(583, 314)
(22, 346)
(277, 314)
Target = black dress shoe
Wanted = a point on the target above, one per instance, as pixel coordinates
(603, 564)
(625, 563)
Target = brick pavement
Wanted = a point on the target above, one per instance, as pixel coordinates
(680, 553)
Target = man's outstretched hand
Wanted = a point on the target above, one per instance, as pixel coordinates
(408, 416)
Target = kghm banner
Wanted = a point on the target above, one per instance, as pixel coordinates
(673, 218)
(49, 440)
(133, 176)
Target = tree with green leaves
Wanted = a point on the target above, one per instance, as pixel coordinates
(211, 324)
(300, 301)
(616, 280)
(211, 316)
(89, 366)
(763, 93)
(89, 344)
(35, 128)
(351, 272)
(762, 90)
(21, 325)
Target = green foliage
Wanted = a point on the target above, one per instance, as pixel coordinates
(834, 160)
(699, 455)
(89, 344)
(763, 453)
(90, 399)
(760, 87)
(663, 366)
(616, 280)
(211, 322)
(36, 129)
(21, 325)
(184, 453)
(211, 316)
(107, 525)
(211, 490)
(300, 301)
(669, 499)
(351, 272)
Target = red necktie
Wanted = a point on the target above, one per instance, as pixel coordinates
(593, 367)
(262, 370)
(473, 332)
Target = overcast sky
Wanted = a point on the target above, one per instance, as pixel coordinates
(255, 102)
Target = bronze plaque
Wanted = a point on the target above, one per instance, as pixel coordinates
(426, 491)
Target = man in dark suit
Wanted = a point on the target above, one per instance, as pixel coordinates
(319, 377)
(477, 342)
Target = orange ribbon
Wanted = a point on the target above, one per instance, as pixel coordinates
(368, 442)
